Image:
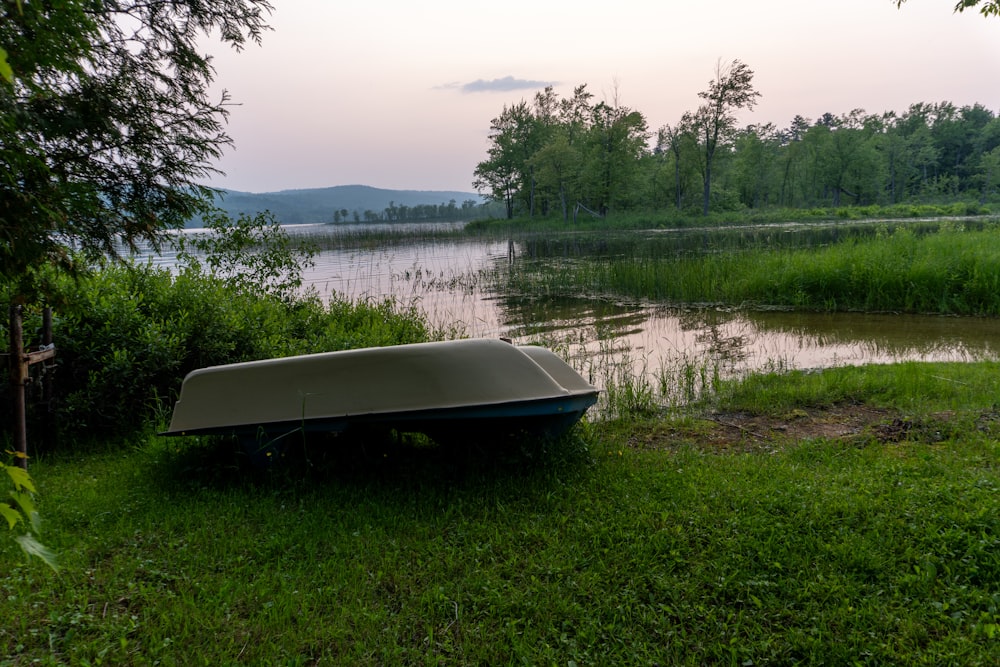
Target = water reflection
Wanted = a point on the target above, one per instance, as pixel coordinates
(888, 337)
(447, 279)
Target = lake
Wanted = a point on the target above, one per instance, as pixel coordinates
(671, 353)
(446, 279)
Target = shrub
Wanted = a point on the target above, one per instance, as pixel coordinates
(133, 332)
(127, 334)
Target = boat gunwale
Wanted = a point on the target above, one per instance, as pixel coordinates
(578, 403)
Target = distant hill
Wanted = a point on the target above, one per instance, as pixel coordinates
(294, 207)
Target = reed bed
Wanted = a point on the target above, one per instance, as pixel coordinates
(636, 383)
(953, 271)
(673, 219)
(371, 235)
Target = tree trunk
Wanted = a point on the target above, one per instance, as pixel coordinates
(677, 183)
(707, 194)
(531, 194)
(892, 180)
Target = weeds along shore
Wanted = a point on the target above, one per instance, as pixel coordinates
(949, 269)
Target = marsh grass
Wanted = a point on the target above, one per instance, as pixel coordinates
(593, 550)
(672, 219)
(952, 271)
(646, 382)
(377, 235)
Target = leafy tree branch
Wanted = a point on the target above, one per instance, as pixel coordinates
(986, 7)
(108, 126)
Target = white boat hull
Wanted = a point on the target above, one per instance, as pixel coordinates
(465, 388)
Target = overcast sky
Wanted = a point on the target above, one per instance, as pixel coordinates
(400, 94)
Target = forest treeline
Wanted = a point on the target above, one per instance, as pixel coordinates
(554, 156)
(470, 209)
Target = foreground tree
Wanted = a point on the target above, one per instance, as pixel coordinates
(715, 121)
(106, 122)
(986, 8)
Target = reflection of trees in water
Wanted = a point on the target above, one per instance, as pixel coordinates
(886, 334)
(697, 319)
(455, 282)
(722, 346)
(541, 315)
(713, 331)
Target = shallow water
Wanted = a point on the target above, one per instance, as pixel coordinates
(444, 279)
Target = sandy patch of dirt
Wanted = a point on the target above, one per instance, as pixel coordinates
(745, 432)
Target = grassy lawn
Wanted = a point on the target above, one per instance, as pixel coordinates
(844, 517)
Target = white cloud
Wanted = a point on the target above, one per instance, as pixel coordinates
(504, 84)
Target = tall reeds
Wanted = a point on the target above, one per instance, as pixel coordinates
(951, 271)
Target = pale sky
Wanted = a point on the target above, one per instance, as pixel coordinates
(400, 94)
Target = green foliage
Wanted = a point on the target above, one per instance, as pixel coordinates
(947, 269)
(986, 7)
(714, 123)
(108, 126)
(657, 548)
(6, 73)
(506, 172)
(916, 386)
(559, 156)
(253, 254)
(20, 513)
(129, 333)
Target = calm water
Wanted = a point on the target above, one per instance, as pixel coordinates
(444, 280)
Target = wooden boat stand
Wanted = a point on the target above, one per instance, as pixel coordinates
(18, 362)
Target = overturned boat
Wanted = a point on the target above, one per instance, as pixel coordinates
(478, 389)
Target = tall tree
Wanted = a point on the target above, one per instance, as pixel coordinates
(922, 152)
(543, 130)
(990, 173)
(794, 154)
(503, 174)
(615, 141)
(755, 158)
(675, 140)
(731, 90)
(556, 164)
(893, 148)
(849, 162)
(108, 122)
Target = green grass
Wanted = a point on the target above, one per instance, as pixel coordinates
(593, 550)
(953, 271)
(672, 219)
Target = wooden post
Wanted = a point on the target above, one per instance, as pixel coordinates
(18, 378)
(48, 371)
(19, 363)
